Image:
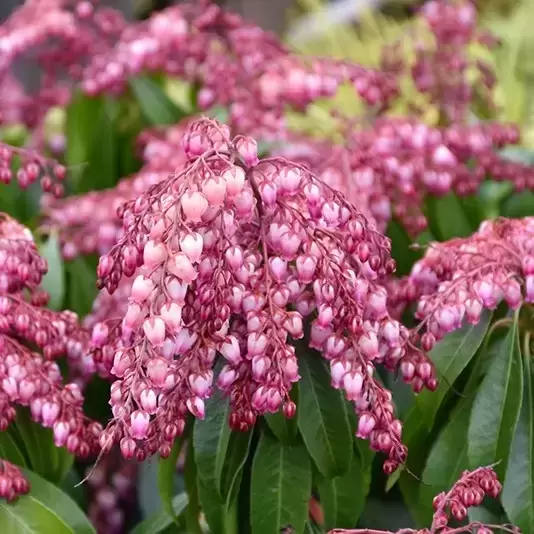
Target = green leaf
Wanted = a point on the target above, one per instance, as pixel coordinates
(10, 450)
(54, 280)
(518, 205)
(210, 441)
(82, 286)
(190, 479)
(281, 486)
(161, 520)
(343, 497)
(450, 357)
(442, 224)
(156, 106)
(166, 474)
(214, 508)
(323, 420)
(286, 430)
(45, 458)
(45, 509)
(518, 489)
(100, 170)
(401, 252)
(496, 407)
(235, 459)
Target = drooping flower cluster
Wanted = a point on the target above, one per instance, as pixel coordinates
(467, 492)
(457, 279)
(31, 338)
(12, 481)
(390, 168)
(89, 223)
(230, 255)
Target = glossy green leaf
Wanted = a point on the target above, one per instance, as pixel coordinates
(286, 430)
(54, 280)
(210, 441)
(450, 357)
(343, 497)
(166, 475)
(518, 205)
(323, 420)
(281, 486)
(82, 286)
(156, 106)
(100, 170)
(10, 449)
(45, 459)
(190, 479)
(442, 224)
(45, 509)
(235, 459)
(214, 508)
(401, 252)
(496, 407)
(518, 489)
(161, 520)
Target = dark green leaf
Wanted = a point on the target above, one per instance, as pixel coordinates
(323, 420)
(54, 280)
(45, 459)
(401, 252)
(161, 520)
(210, 441)
(156, 106)
(82, 286)
(518, 489)
(190, 479)
(343, 498)
(447, 218)
(72, 487)
(286, 430)
(10, 450)
(450, 356)
(166, 475)
(236, 457)
(100, 170)
(214, 508)
(496, 407)
(281, 486)
(518, 205)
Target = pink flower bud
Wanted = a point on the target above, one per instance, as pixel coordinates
(247, 148)
(185, 340)
(306, 266)
(10, 387)
(446, 319)
(196, 407)
(132, 316)
(99, 335)
(141, 289)
(50, 412)
(194, 205)
(121, 363)
(368, 344)
(334, 346)
(290, 179)
(235, 180)
(293, 325)
(128, 447)
(366, 424)
(226, 378)
(291, 369)
(278, 268)
(192, 244)
(231, 351)
(214, 190)
(139, 422)
(529, 289)
(353, 383)
(260, 365)
(318, 335)
(177, 289)
(154, 329)
(171, 313)
(442, 156)
(149, 401)
(180, 265)
(377, 303)
(201, 383)
(154, 254)
(234, 257)
(61, 433)
(338, 369)
(157, 371)
(391, 332)
(256, 344)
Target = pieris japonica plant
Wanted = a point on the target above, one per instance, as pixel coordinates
(211, 323)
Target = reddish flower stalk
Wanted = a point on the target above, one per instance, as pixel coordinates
(467, 492)
(230, 255)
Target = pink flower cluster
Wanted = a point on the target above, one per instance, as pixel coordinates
(230, 256)
(390, 168)
(31, 338)
(457, 279)
(12, 481)
(467, 492)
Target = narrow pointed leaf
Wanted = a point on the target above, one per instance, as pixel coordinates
(190, 480)
(156, 106)
(166, 475)
(450, 357)
(161, 520)
(281, 486)
(343, 497)
(323, 420)
(286, 430)
(235, 459)
(518, 489)
(82, 289)
(54, 280)
(213, 507)
(210, 441)
(440, 221)
(496, 407)
(10, 450)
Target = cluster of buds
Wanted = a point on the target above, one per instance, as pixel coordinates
(231, 255)
(111, 493)
(389, 169)
(12, 481)
(445, 68)
(457, 279)
(88, 223)
(467, 492)
(31, 338)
